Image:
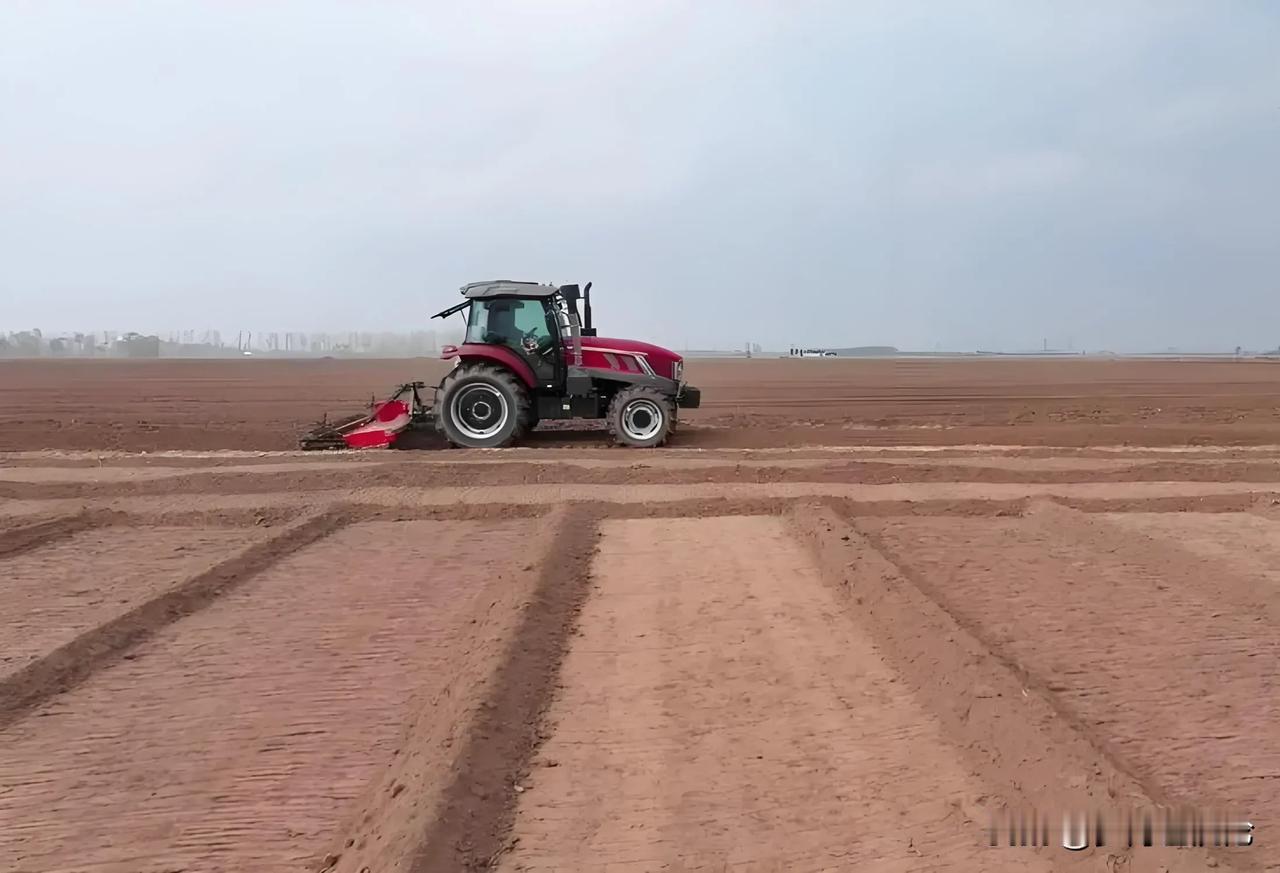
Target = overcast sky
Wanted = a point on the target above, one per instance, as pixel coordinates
(955, 175)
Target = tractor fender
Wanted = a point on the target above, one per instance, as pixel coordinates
(500, 355)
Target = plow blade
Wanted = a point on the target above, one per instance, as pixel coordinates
(386, 420)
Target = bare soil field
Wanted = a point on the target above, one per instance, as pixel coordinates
(842, 646)
(264, 404)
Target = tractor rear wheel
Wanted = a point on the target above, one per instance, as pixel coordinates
(482, 407)
(640, 417)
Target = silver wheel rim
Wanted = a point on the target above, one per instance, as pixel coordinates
(479, 411)
(641, 420)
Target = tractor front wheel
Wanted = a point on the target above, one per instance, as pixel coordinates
(482, 407)
(640, 417)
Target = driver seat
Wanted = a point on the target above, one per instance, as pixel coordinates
(501, 326)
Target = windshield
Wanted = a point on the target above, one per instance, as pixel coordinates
(518, 324)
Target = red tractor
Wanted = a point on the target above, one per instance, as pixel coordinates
(528, 356)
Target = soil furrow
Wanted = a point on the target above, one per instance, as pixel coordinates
(1015, 727)
(516, 474)
(474, 823)
(1136, 650)
(1103, 496)
(325, 697)
(73, 662)
(74, 585)
(718, 711)
(15, 541)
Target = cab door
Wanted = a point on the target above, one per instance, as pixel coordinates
(538, 341)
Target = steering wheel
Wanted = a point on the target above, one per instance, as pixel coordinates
(535, 345)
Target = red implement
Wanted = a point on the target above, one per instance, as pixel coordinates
(388, 419)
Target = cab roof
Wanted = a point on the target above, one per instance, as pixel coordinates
(507, 288)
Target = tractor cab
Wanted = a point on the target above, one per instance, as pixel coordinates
(539, 324)
(525, 326)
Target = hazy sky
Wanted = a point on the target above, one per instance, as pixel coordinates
(918, 174)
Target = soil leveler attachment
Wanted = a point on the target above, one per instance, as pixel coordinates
(386, 420)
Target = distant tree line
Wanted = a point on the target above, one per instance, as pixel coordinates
(34, 343)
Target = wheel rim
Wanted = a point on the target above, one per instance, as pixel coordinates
(641, 420)
(479, 411)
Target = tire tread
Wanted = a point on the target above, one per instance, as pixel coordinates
(523, 403)
(614, 416)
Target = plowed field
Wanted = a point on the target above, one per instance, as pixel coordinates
(851, 644)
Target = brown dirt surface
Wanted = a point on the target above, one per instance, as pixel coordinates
(849, 643)
(264, 404)
(719, 712)
(1121, 635)
(69, 587)
(239, 738)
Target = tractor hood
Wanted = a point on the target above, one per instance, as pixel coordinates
(607, 343)
(660, 359)
(626, 345)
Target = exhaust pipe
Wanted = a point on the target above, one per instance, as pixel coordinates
(587, 328)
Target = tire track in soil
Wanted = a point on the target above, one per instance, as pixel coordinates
(473, 827)
(75, 661)
(1056, 597)
(718, 711)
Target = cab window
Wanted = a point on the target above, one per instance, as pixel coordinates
(508, 322)
(531, 320)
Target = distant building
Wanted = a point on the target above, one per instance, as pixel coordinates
(847, 352)
(135, 345)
